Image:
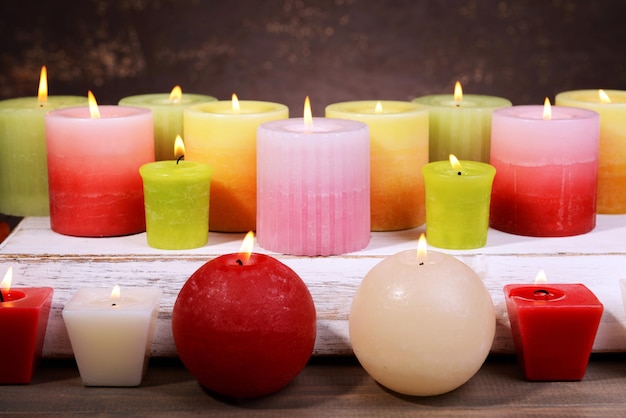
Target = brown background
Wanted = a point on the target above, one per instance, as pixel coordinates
(332, 50)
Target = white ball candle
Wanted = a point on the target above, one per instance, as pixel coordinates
(421, 325)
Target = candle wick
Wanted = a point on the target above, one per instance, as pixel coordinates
(114, 304)
(182, 157)
(421, 263)
(458, 173)
(239, 262)
(1, 296)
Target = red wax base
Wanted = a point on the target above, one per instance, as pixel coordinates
(553, 328)
(244, 330)
(23, 322)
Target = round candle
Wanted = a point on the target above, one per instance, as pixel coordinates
(547, 171)
(244, 328)
(93, 169)
(168, 117)
(461, 127)
(611, 194)
(313, 186)
(226, 140)
(176, 195)
(457, 203)
(398, 149)
(23, 167)
(421, 325)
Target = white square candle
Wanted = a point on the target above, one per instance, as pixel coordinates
(111, 336)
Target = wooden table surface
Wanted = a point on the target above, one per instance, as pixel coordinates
(328, 387)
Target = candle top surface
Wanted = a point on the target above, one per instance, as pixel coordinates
(170, 169)
(31, 297)
(318, 127)
(224, 108)
(617, 97)
(99, 299)
(469, 101)
(468, 169)
(162, 99)
(31, 103)
(564, 295)
(534, 113)
(389, 108)
(106, 112)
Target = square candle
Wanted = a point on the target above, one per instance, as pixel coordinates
(553, 328)
(111, 333)
(23, 320)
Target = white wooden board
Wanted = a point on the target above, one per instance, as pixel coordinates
(41, 257)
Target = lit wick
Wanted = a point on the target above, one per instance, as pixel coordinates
(182, 157)
(239, 262)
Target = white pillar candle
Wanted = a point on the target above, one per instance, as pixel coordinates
(111, 337)
(313, 186)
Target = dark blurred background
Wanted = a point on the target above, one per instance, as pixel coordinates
(332, 50)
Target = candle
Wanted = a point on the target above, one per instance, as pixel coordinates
(167, 111)
(313, 186)
(460, 124)
(244, 324)
(23, 320)
(223, 135)
(611, 106)
(176, 195)
(93, 169)
(111, 333)
(553, 328)
(457, 203)
(23, 167)
(421, 324)
(398, 148)
(547, 170)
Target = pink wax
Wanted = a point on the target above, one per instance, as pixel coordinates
(93, 169)
(313, 186)
(546, 171)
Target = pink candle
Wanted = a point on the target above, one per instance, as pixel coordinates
(93, 169)
(546, 170)
(313, 186)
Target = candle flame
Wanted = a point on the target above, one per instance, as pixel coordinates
(42, 94)
(176, 94)
(308, 116)
(8, 278)
(422, 254)
(179, 147)
(379, 108)
(541, 278)
(547, 109)
(246, 248)
(604, 98)
(93, 105)
(235, 103)
(458, 92)
(455, 163)
(115, 294)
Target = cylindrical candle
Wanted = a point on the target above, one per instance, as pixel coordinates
(226, 140)
(313, 186)
(547, 171)
(460, 127)
(93, 169)
(168, 117)
(611, 195)
(457, 203)
(421, 325)
(23, 167)
(176, 195)
(398, 150)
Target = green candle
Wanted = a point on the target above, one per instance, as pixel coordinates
(23, 166)
(460, 124)
(457, 203)
(167, 111)
(176, 197)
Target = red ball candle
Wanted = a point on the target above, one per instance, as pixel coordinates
(244, 328)
(553, 328)
(23, 320)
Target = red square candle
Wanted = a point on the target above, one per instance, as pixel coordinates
(553, 328)
(23, 320)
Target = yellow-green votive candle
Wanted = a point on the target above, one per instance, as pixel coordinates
(176, 195)
(458, 194)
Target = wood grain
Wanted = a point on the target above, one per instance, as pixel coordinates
(41, 257)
